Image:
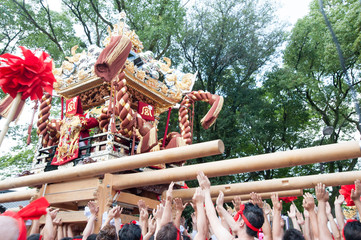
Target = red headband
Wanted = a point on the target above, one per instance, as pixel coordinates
(34, 210)
(178, 234)
(240, 213)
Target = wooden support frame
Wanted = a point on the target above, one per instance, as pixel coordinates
(79, 217)
(116, 165)
(265, 195)
(324, 153)
(281, 184)
(18, 196)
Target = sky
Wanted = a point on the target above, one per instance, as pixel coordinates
(289, 11)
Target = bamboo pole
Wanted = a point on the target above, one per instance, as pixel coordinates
(17, 196)
(324, 153)
(13, 108)
(264, 195)
(274, 185)
(116, 165)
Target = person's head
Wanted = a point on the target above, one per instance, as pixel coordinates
(35, 236)
(168, 232)
(251, 216)
(108, 232)
(293, 234)
(352, 230)
(9, 228)
(130, 232)
(92, 237)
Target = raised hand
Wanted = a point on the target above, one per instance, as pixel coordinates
(114, 212)
(157, 213)
(203, 181)
(356, 193)
(277, 204)
(292, 213)
(52, 213)
(152, 224)
(57, 221)
(143, 215)
(220, 199)
(300, 219)
(256, 199)
(141, 204)
(179, 206)
(93, 207)
(237, 201)
(321, 193)
(169, 195)
(308, 202)
(339, 199)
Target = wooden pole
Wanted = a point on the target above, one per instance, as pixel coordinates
(116, 165)
(265, 195)
(17, 196)
(324, 153)
(282, 184)
(13, 109)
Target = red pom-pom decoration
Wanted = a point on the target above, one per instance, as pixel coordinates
(346, 192)
(30, 74)
(287, 199)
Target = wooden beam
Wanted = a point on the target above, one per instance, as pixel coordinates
(104, 197)
(324, 153)
(79, 217)
(133, 199)
(281, 184)
(17, 196)
(265, 195)
(116, 165)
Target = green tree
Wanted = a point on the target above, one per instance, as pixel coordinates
(228, 42)
(316, 75)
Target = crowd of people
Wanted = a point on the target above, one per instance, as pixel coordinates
(250, 220)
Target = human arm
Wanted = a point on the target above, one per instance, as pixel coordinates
(202, 227)
(117, 220)
(35, 227)
(256, 199)
(309, 205)
(179, 207)
(219, 231)
(49, 233)
(277, 231)
(69, 230)
(322, 197)
(167, 212)
(355, 195)
(229, 221)
(151, 228)
(157, 213)
(59, 228)
(306, 229)
(293, 215)
(237, 201)
(143, 216)
(266, 227)
(335, 231)
(338, 211)
(89, 228)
